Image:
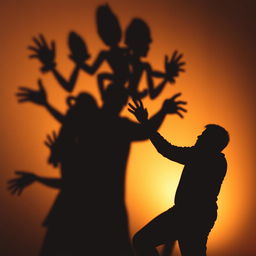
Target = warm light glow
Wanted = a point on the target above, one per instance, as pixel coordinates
(218, 86)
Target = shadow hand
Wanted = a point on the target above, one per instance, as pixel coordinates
(51, 143)
(138, 110)
(43, 52)
(174, 66)
(36, 96)
(171, 106)
(23, 180)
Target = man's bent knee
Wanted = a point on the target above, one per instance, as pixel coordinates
(138, 240)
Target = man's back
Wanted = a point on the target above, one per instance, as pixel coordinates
(201, 179)
(202, 176)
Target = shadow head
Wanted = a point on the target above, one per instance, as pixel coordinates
(115, 98)
(82, 104)
(108, 26)
(138, 37)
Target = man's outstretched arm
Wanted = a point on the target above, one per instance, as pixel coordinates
(166, 149)
(170, 106)
(177, 154)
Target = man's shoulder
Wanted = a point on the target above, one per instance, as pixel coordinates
(219, 160)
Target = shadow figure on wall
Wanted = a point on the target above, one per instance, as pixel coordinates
(125, 62)
(93, 144)
(71, 215)
(93, 163)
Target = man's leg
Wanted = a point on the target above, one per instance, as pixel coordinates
(160, 230)
(195, 246)
(194, 231)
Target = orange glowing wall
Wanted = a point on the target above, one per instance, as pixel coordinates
(216, 38)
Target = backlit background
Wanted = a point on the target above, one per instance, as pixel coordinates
(217, 39)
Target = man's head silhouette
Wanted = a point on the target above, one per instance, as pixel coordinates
(214, 138)
(138, 37)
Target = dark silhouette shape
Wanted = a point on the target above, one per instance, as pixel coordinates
(73, 211)
(92, 146)
(192, 217)
(89, 151)
(109, 30)
(168, 248)
(77, 47)
(108, 24)
(70, 219)
(77, 151)
(38, 97)
(138, 39)
(24, 179)
(46, 55)
(115, 145)
(125, 63)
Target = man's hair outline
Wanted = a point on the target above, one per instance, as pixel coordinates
(219, 136)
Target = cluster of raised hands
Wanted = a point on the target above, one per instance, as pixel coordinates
(45, 52)
(170, 106)
(25, 179)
